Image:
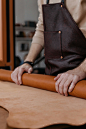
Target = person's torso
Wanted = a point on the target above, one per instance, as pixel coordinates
(77, 9)
(65, 44)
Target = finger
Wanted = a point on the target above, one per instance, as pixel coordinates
(57, 77)
(61, 85)
(21, 70)
(75, 80)
(14, 77)
(67, 84)
(30, 70)
(57, 84)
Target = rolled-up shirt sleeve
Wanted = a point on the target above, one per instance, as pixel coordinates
(39, 33)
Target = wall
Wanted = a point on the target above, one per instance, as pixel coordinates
(26, 10)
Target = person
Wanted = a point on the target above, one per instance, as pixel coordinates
(64, 81)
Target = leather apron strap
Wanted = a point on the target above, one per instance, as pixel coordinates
(61, 1)
(47, 1)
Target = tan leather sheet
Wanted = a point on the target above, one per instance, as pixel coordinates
(35, 108)
(45, 82)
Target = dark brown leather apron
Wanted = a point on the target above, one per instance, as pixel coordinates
(65, 44)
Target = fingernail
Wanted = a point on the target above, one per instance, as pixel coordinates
(56, 89)
(66, 95)
(55, 83)
(18, 83)
(30, 69)
(69, 90)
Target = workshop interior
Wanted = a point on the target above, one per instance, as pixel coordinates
(18, 21)
(18, 27)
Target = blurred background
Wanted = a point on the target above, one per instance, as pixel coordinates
(17, 29)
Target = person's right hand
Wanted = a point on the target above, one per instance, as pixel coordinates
(16, 75)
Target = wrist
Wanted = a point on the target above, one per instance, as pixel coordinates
(83, 66)
(29, 62)
(82, 71)
(30, 59)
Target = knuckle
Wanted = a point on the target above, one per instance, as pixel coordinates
(71, 75)
(61, 92)
(26, 65)
(62, 74)
(76, 77)
(16, 82)
(65, 91)
(71, 88)
(66, 74)
(30, 68)
(13, 75)
(19, 74)
(65, 85)
(60, 85)
(57, 83)
(21, 69)
(16, 69)
(19, 77)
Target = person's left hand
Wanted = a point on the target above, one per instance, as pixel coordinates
(65, 82)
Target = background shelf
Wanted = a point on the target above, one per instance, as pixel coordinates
(23, 39)
(21, 28)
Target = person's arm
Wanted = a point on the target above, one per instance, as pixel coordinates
(36, 47)
(38, 39)
(66, 82)
(17, 73)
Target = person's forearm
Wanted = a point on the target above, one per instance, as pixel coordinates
(83, 65)
(34, 51)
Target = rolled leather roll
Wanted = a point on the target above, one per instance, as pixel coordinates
(45, 82)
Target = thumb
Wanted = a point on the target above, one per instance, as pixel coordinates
(30, 70)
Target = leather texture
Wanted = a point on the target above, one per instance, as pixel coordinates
(65, 44)
(45, 82)
(34, 108)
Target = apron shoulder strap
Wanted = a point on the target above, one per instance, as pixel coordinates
(48, 1)
(62, 1)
